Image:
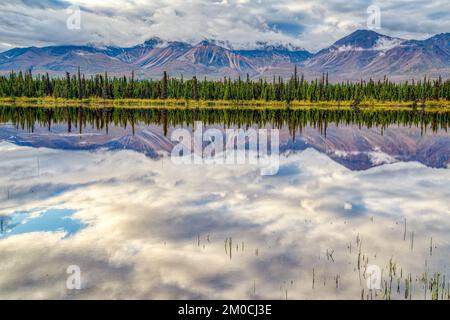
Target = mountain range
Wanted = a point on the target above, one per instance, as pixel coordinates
(354, 148)
(361, 55)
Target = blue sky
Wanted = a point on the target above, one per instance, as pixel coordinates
(311, 24)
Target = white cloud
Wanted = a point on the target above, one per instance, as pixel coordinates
(309, 23)
(385, 44)
(376, 156)
(348, 206)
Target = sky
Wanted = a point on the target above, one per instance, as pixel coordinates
(310, 24)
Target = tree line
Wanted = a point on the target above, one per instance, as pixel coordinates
(297, 88)
(295, 119)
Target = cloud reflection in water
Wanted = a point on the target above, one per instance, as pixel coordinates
(157, 230)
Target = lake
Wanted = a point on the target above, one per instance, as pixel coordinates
(358, 208)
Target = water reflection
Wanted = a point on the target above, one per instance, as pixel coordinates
(48, 221)
(76, 119)
(358, 140)
(354, 190)
(158, 230)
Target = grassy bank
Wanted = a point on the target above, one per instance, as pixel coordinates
(441, 105)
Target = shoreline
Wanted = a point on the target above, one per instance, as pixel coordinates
(441, 105)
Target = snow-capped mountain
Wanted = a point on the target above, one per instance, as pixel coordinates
(210, 56)
(361, 55)
(353, 52)
(266, 55)
(364, 54)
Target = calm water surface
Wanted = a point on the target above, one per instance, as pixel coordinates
(95, 188)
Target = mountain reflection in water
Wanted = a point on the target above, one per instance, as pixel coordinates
(358, 140)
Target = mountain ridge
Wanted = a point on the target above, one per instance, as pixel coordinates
(361, 54)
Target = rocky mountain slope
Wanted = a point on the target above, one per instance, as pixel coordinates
(362, 54)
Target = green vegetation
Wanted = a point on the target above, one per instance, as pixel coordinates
(296, 89)
(440, 105)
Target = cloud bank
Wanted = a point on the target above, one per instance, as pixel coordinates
(307, 23)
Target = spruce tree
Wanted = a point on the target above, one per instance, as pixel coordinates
(195, 95)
